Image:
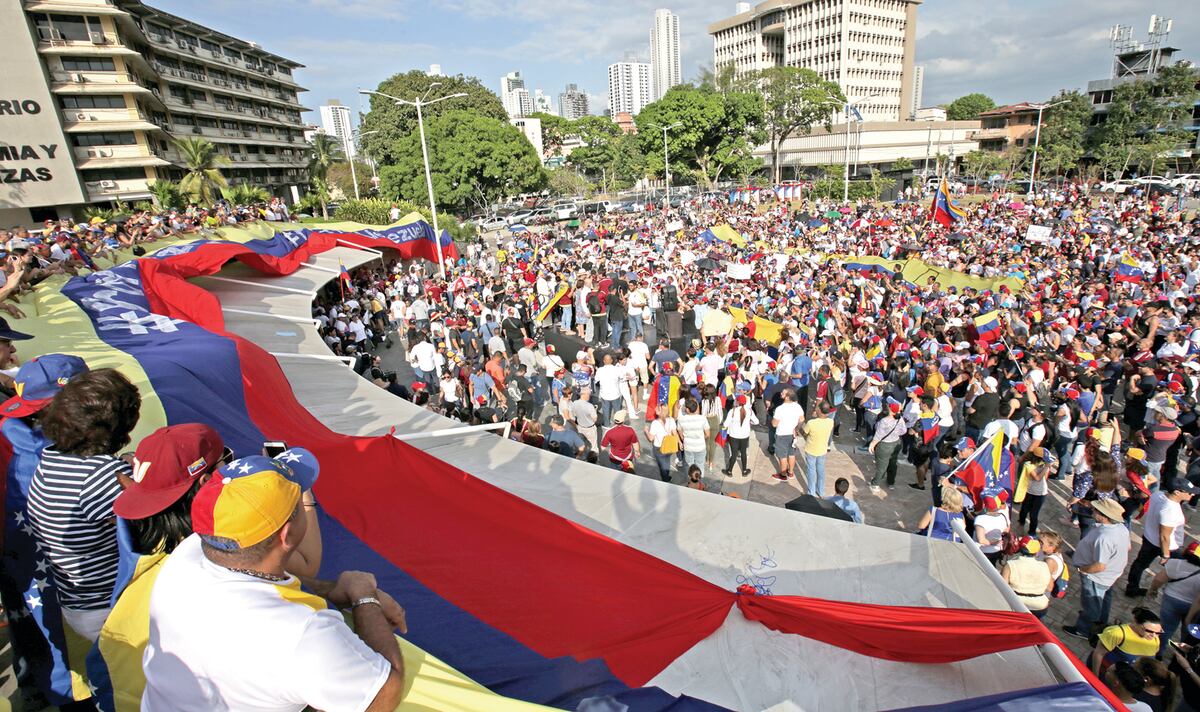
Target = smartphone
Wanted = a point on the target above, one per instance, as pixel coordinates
(274, 448)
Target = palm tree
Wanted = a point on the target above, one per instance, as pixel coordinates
(325, 151)
(203, 181)
(246, 194)
(166, 193)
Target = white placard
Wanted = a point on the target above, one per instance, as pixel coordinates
(686, 257)
(739, 271)
(1037, 233)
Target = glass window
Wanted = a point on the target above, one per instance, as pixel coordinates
(88, 64)
(211, 46)
(177, 91)
(96, 101)
(198, 95)
(114, 174)
(116, 138)
(233, 53)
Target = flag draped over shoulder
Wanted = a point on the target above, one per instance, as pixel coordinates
(493, 591)
(663, 396)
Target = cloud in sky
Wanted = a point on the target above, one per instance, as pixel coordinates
(1012, 50)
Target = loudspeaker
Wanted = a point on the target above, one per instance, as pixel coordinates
(674, 324)
(670, 298)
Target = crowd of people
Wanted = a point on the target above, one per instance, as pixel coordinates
(644, 343)
(1077, 355)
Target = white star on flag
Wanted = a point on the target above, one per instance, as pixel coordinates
(245, 468)
(42, 566)
(288, 456)
(27, 529)
(33, 602)
(20, 517)
(40, 584)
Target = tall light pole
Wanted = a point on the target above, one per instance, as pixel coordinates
(667, 161)
(1037, 139)
(418, 103)
(846, 169)
(355, 135)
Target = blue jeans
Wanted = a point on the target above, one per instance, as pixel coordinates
(615, 328)
(1172, 614)
(1155, 469)
(816, 474)
(564, 322)
(664, 464)
(693, 458)
(1095, 602)
(1062, 448)
(607, 408)
(635, 326)
(429, 378)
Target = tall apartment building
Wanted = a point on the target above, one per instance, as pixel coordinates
(543, 104)
(335, 121)
(628, 87)
(573, 103)
(866, 46)
(664, 53)
(514, 96)
(105, 85)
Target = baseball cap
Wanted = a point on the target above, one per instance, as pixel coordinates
(9, 334)
(251, 498)
(620, 416)
(1180, 484)
(965, 444)
(38, 381)
(166, 464)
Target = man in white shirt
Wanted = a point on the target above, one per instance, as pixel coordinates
(422, 357)
(1162, 530)
(639, 357)
(230, 629)
(786, 420)
(608, 387)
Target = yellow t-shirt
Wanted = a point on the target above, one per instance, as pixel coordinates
(816, 436)
(1123, 637)
(932, 384)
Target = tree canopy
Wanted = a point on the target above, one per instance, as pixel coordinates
(474, 159)
(966, 108)
(794, 100)
(1063, 137)
(393, 122)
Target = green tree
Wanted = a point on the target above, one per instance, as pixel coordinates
(203, 180)
(723, 80)
(341, 179)
(554, 130)
(166, 194)
(323, 153)
(1145, 121)
(794, 99)
(715, 131)
(246, 194)
(1061, 145)
(564, 181)
(318, 188)
(393, 123)
(468, 152)
(969, 107)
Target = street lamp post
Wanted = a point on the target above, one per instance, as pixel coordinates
(418, 103)
(846, 168)
(1037, 139)
(667, 162)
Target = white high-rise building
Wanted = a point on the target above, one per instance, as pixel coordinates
(866, 46)
(335, 121)
(918, 89)
(542, 103)
(628, 87)
(664, 53)
(435, 70)
(514, 96)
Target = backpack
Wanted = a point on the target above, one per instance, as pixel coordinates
(1061, 583)
(837, 394)
(593, 303)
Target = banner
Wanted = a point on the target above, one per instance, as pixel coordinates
(735, 270)
(1037, 233)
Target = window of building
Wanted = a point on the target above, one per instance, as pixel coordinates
(114, 138)
(178, 92)
(230, 125)
(95, 101)
(206, 122)
(182, 120)
(198, 95)
(232, 53)
(88, 64)
(211, 46)
(114, 174)
(73, 28)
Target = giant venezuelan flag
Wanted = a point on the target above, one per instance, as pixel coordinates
(518, 601)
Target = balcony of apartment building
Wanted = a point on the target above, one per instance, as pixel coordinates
(118, 156)
(70, 81)
(188, 46)
(93, 120)
(103, 189)
(205, 81)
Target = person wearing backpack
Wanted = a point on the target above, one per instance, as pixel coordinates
(1029, 578)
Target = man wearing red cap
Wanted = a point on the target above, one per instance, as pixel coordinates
(231, 629)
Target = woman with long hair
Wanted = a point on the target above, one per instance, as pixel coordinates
(738, 424)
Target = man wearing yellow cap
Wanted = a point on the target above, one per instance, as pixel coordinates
(230, 629)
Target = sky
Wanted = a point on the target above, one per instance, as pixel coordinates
(1011, 50)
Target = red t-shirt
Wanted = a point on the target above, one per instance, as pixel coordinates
(619, 440)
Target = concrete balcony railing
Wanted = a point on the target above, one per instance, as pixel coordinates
(88, 77)
(54, 38)
(115, 188)
(98, 115)
(101, 152)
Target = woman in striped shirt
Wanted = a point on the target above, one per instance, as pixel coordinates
(71, 496)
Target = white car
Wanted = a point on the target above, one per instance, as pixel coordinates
(491, 223)
(565, 211)
(1118, 186)
(518, 217)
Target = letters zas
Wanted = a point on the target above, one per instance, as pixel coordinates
(26, 153)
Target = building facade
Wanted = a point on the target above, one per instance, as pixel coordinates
(116, 81)
(1008, 127)
(918, 90)
(875, 144)
(335, 121)
(543, 104)
(665, 68)
(866, 46)
(514, 96)
(532, 128)
(628, 87)
(573, 103)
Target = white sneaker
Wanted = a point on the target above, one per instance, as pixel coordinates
(875, 489)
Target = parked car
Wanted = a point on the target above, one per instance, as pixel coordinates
(519, 216)
(542, 216)
(494, 222)
(593, 208)
(1116, 187)
(565, 211)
